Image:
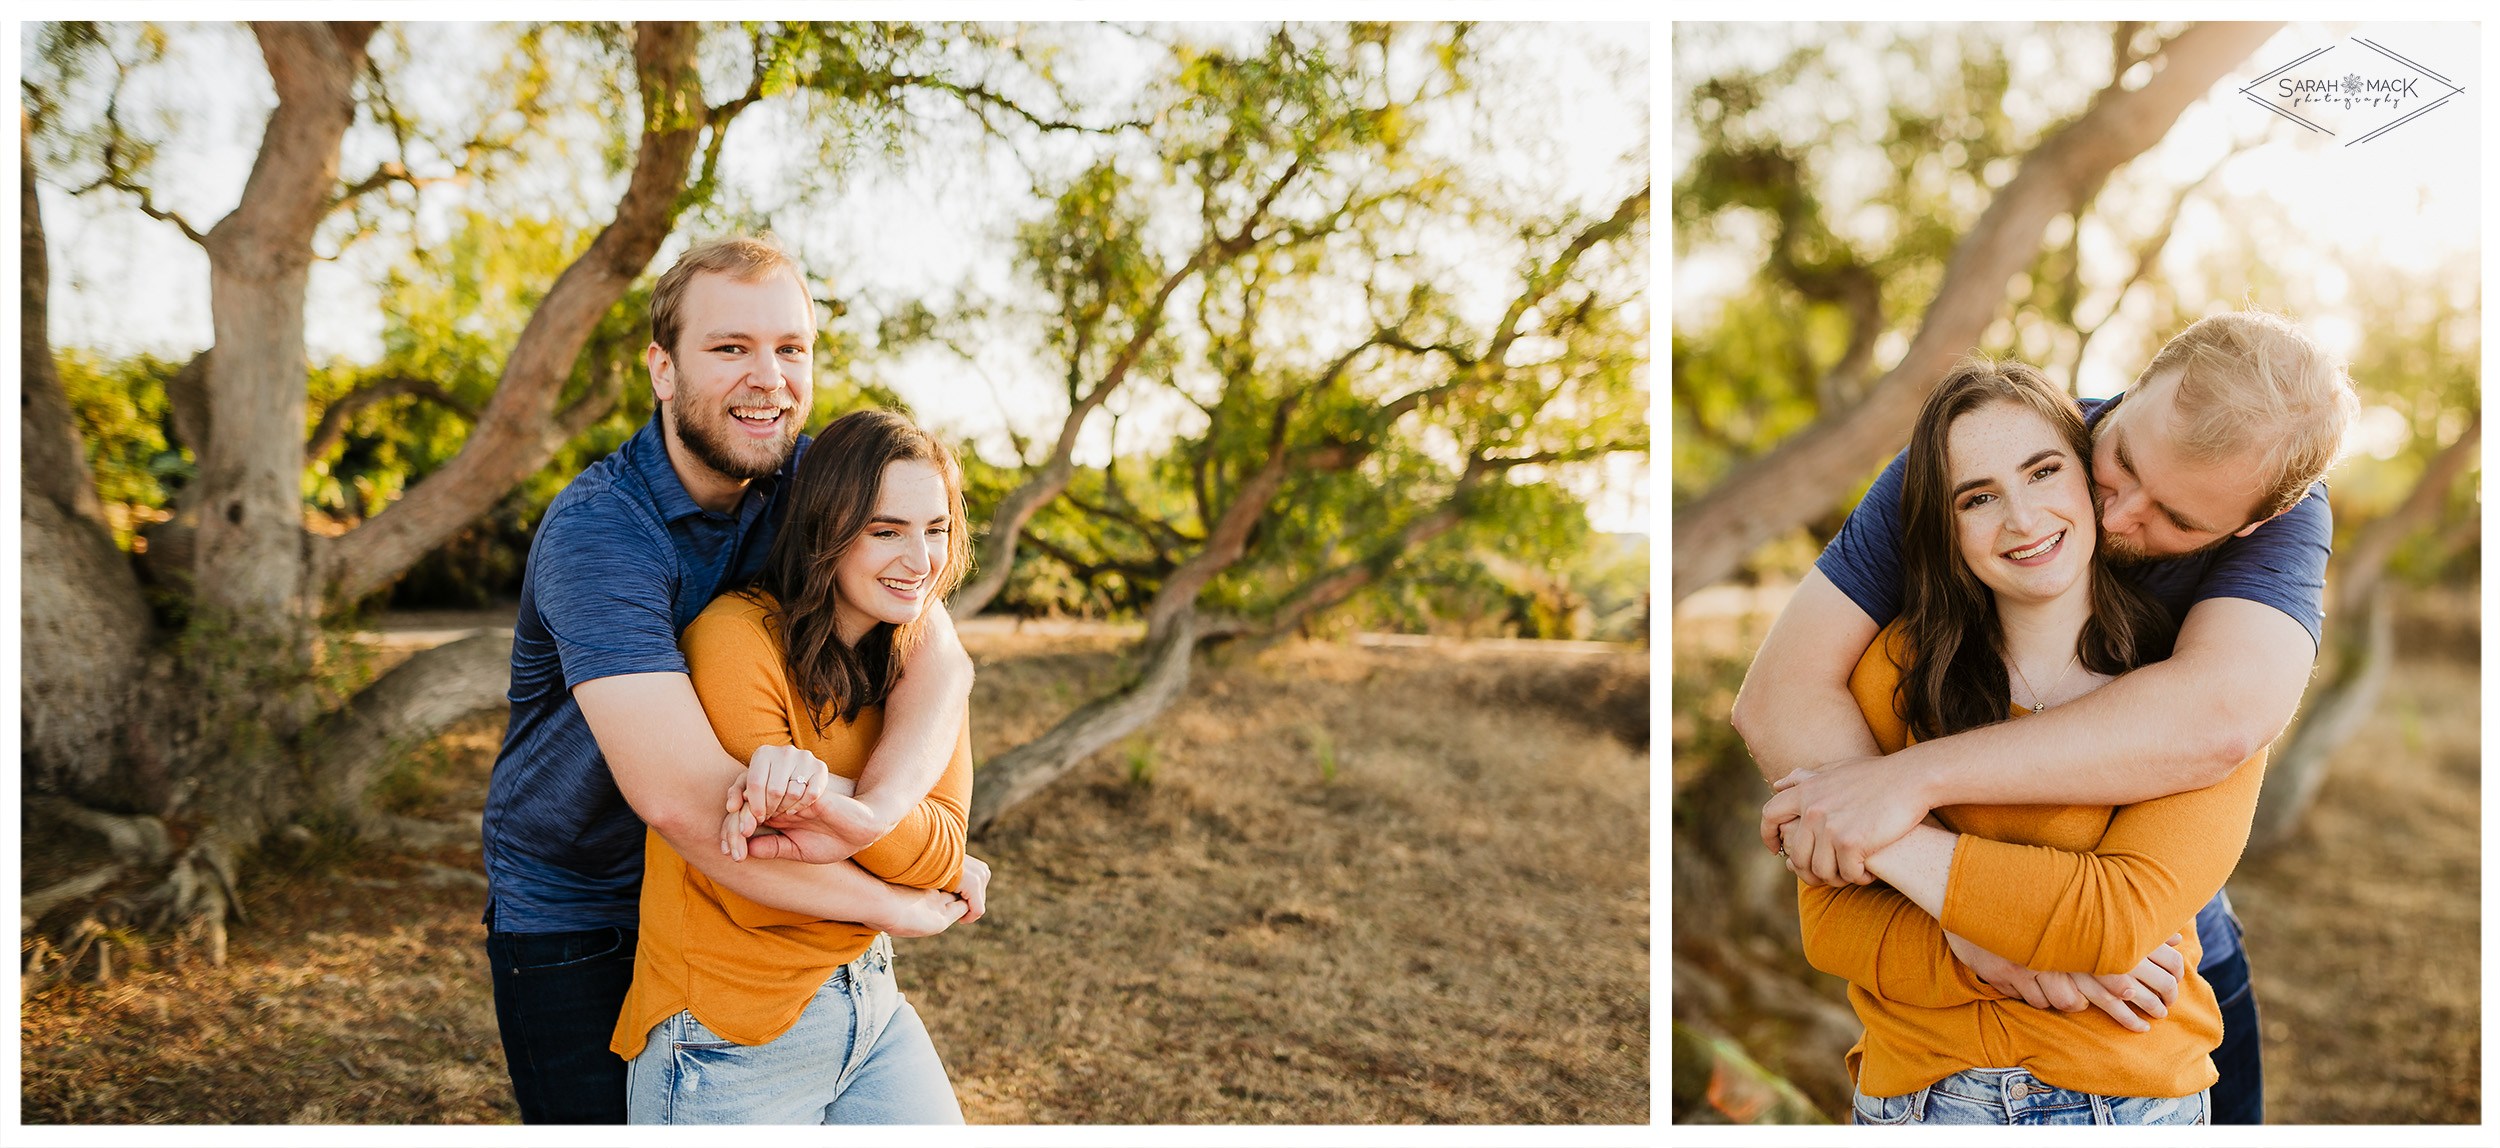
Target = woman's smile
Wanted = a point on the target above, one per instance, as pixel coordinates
(2040, 553)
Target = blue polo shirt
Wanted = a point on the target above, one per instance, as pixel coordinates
(622, 561)
(2281, 564)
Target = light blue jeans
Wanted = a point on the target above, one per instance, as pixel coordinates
(858, 1055)
(2012, 1096)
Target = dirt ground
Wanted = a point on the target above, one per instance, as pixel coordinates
(1333, 885)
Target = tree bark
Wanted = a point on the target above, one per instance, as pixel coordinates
(83, 628)
(1019, 773)
(2364, 562)
(519, 431)
(1178, 597)
(53, 457)
(250, 551)
(1808, 472)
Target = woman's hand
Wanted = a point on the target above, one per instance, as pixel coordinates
(782, 779)
(2149, 988)
(2035, 988)
(1833, 818)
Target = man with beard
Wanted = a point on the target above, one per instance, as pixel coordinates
(2206, 474)
(606, 734)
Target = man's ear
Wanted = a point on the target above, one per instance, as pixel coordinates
(663, 372)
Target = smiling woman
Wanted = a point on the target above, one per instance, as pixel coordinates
(741, 1013)
(1955, 960)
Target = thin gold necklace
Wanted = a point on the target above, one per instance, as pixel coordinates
(2036, 696)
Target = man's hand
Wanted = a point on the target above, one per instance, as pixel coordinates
(923, 914)
(976, 888)
(1828, 820)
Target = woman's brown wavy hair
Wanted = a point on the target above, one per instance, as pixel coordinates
(832, 495)
(1948, 615)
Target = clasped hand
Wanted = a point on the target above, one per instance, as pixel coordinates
(2150, 988)
(1835, 817)
(789, 805)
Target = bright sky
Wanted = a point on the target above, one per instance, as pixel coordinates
(2409, 200)
(938, 223)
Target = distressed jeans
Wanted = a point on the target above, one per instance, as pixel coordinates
(858, 1055)
(2010, 1096)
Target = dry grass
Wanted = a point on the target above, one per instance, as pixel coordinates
(1330, 886)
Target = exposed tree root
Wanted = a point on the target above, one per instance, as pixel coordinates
(420, 698)
(35, 905)
(135, 839)
(1021, 772)
(420, 834)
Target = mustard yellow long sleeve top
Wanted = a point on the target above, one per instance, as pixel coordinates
(747, 970)
(2070, 888)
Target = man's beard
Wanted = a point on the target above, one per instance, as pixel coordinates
(2122, 551)
(717, 445)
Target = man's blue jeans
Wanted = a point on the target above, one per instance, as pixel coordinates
(2239, 1097)
(557, 996)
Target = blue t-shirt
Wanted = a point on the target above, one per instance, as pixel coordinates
(2281, 564)
(622, 561)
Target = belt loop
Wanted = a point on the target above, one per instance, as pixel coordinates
(1918, 1105)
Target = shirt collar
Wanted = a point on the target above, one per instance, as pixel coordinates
(647, 452)
(2094, 416)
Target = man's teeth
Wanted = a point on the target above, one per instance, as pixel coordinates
(758, 414)
(2036, 551)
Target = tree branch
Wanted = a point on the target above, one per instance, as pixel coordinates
(1806, 473)
(515, 433)
(333, 425)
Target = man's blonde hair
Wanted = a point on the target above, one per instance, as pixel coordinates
(2258, 390)
(745, 258)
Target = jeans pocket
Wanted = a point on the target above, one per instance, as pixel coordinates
(527, 954)
(2192, 1109)
(1864, 1109)
(692, 1035)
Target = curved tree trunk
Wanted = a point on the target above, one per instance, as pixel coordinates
(2344, 697)
(82, 627)
(250, 553)
(1021, 772)
(1810, 471)
(2360, 646)
(209, 737)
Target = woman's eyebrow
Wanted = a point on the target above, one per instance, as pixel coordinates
(2027, 464)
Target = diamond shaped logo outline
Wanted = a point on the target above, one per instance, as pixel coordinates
(2352, 86)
